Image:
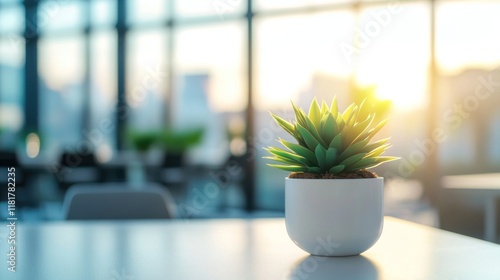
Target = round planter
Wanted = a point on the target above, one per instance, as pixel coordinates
(334, 217)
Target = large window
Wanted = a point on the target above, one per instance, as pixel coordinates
(11, 74)
(185, 64)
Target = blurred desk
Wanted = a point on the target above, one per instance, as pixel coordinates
(235, 249)
(484, 185)
(121, 167)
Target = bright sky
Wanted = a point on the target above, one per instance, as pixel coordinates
(217, 50)
(395, 59)
(467, 36)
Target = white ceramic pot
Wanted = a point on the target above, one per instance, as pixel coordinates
(334, 217)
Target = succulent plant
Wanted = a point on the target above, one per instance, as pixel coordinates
(329, 141)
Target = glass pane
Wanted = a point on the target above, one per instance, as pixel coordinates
(290, 57)
(210, 84)
(220, 8)
(139, 11)
(469, 61)
(103, 91)
(12, 19)
(103, 13)
(465, 38)
(292, 62)
(61, 70)
(393, 53)
(146, 78)
(285, 4)
(11, 90)
(61, 15)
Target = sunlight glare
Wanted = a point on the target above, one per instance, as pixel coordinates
(403, 96)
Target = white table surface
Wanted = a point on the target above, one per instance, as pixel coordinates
(484, 182)
(235, 249)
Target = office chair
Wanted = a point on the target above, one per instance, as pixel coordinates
(118, 201)
(77, 168)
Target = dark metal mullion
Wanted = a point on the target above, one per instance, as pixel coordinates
(121, 105)
(31, 80)
(249, 187)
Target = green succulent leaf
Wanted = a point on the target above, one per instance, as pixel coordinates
(309, 139)
(375, 145)
(361, 127)
(362, 163)
(291, 168)
(314, 113)
(331, 157)
(314, 170)
(279, 153)
(284, 160)
(351, 118)
(288, 127)
(346, 116)
(353, 149)
(370, 163)
(337, 169)
(352, 159)
(337, 142)
(340, 122)
(334, 108)
(378, 151)
(321, 156)
(314, 132)
(300, 150)
(298, 136)
(324, 108)
(376, 129)
(299, 115)
(329, 128)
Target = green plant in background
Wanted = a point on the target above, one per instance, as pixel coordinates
(172, 140)
(176, 141)
(329, 141)
(143, 141)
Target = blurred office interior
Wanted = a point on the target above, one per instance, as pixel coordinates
(178, 93)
